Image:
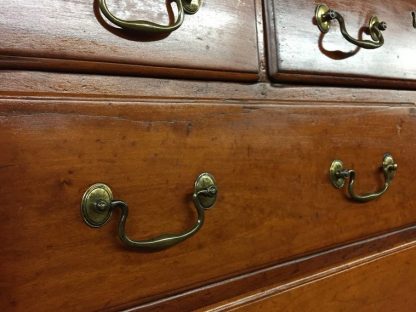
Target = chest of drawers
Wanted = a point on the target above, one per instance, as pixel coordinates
(84, 102)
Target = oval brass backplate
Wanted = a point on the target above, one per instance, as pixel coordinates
(319, 13)
(96, 205)
(373, 20)
(388, 161)
(336, 166)
(191, 6)
(203, 182)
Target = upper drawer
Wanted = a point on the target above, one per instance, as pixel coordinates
(218, 42)
(275, 200)
(299, 51)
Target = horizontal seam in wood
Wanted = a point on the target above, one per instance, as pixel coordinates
(287, 262)
(259, 103)
(19, 58)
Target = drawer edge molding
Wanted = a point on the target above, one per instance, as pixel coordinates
(280, 275)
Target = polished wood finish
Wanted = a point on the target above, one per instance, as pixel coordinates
(244, 288)
(384, 283)
(298, 51)
(143, 150)
(278, 226)
(218, 42)
(52, 85)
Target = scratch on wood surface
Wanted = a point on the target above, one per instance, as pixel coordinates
(7, 166)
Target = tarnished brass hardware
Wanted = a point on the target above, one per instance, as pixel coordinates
(184, 6)
(339, 175)
(324, 16)
(98, 203)
(414, 19)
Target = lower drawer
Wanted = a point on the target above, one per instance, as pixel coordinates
(271, 164)
(384, 284)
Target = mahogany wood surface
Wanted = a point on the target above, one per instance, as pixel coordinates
(248, 287)
(270, 160)
(51, 85)
(297, 51)
(218, 42)
(386, 283)
(279, 230)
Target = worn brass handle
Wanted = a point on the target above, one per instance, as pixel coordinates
(184, 6)
(324, 15)
(97, 206)
(339, 175)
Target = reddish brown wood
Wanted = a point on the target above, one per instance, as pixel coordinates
(271, 163)
(278, 223)
(76, 66)
(218, 42)
(52, 85)
(299, 52)
(247, 287)
(383, 284)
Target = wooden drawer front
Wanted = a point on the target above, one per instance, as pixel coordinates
(299, 51)
(219, 41)
(384, 284)
(271, 164)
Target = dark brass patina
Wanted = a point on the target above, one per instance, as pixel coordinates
(339, 175)
(184, 6)
(325, 15)
(97, 206)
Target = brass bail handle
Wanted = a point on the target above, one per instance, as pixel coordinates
(97, 206)
(338, 175)
(184, 6)
(324, 15)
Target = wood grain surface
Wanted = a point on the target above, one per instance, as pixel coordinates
(218, 42)
(233, 292)
(271, 163)
(382, 284)
(51, 85)
(299, 52)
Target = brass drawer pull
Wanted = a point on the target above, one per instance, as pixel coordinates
(184, 6)
(97, 206)
(338, 176)
(324, 15)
